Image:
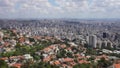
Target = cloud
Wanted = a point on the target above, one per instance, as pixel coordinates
(106, 5)
(5, 3)
(57, 8)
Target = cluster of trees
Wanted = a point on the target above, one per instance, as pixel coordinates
(29, 64)
(61, 53)
(91, 51)
(3, 64)
(38, 65)
(25, 49)
(82, 66)
(102, 63)
(113, 54)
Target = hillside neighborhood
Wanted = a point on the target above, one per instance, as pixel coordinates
(21, 51)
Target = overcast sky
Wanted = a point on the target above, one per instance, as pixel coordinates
(59, 9)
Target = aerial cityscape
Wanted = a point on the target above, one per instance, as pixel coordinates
(59, 34)
(60, 43)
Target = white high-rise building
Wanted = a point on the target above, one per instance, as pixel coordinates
(99, 42)
(92, 41)
(104, 44)
(1, 34)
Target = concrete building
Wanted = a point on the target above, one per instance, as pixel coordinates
(104, 44)
(92, 41)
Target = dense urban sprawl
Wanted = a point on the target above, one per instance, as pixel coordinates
(59, 44)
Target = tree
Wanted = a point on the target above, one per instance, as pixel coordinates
(82, 66)
(69, 54)
(102, 63)
(3, 64)
(91, 58)
(62, 53)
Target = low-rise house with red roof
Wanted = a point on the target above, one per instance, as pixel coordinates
(16, 65)
(5, 59)
(47, 59)
(116, 65)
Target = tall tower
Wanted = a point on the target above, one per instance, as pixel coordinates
(105, 34)
(92, 41)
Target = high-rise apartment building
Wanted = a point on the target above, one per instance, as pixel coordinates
(92, 41)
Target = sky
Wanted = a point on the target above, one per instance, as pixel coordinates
(80, 9)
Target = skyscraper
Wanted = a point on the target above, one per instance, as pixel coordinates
(105, 35)
(92, 41)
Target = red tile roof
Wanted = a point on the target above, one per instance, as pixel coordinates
(116, 65)
(69, 48)
(17, 65)
(67, 60)
(47, 59)
(1, 39)
(72, 63)
(47, 49)
(102, 56)
(21, 39)
(14, 31)
(64, 65)
(83, 61)
(37, 37)
(6, 44)
(4, 58)
(47, 37)
(63, 46)
(57, 62)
